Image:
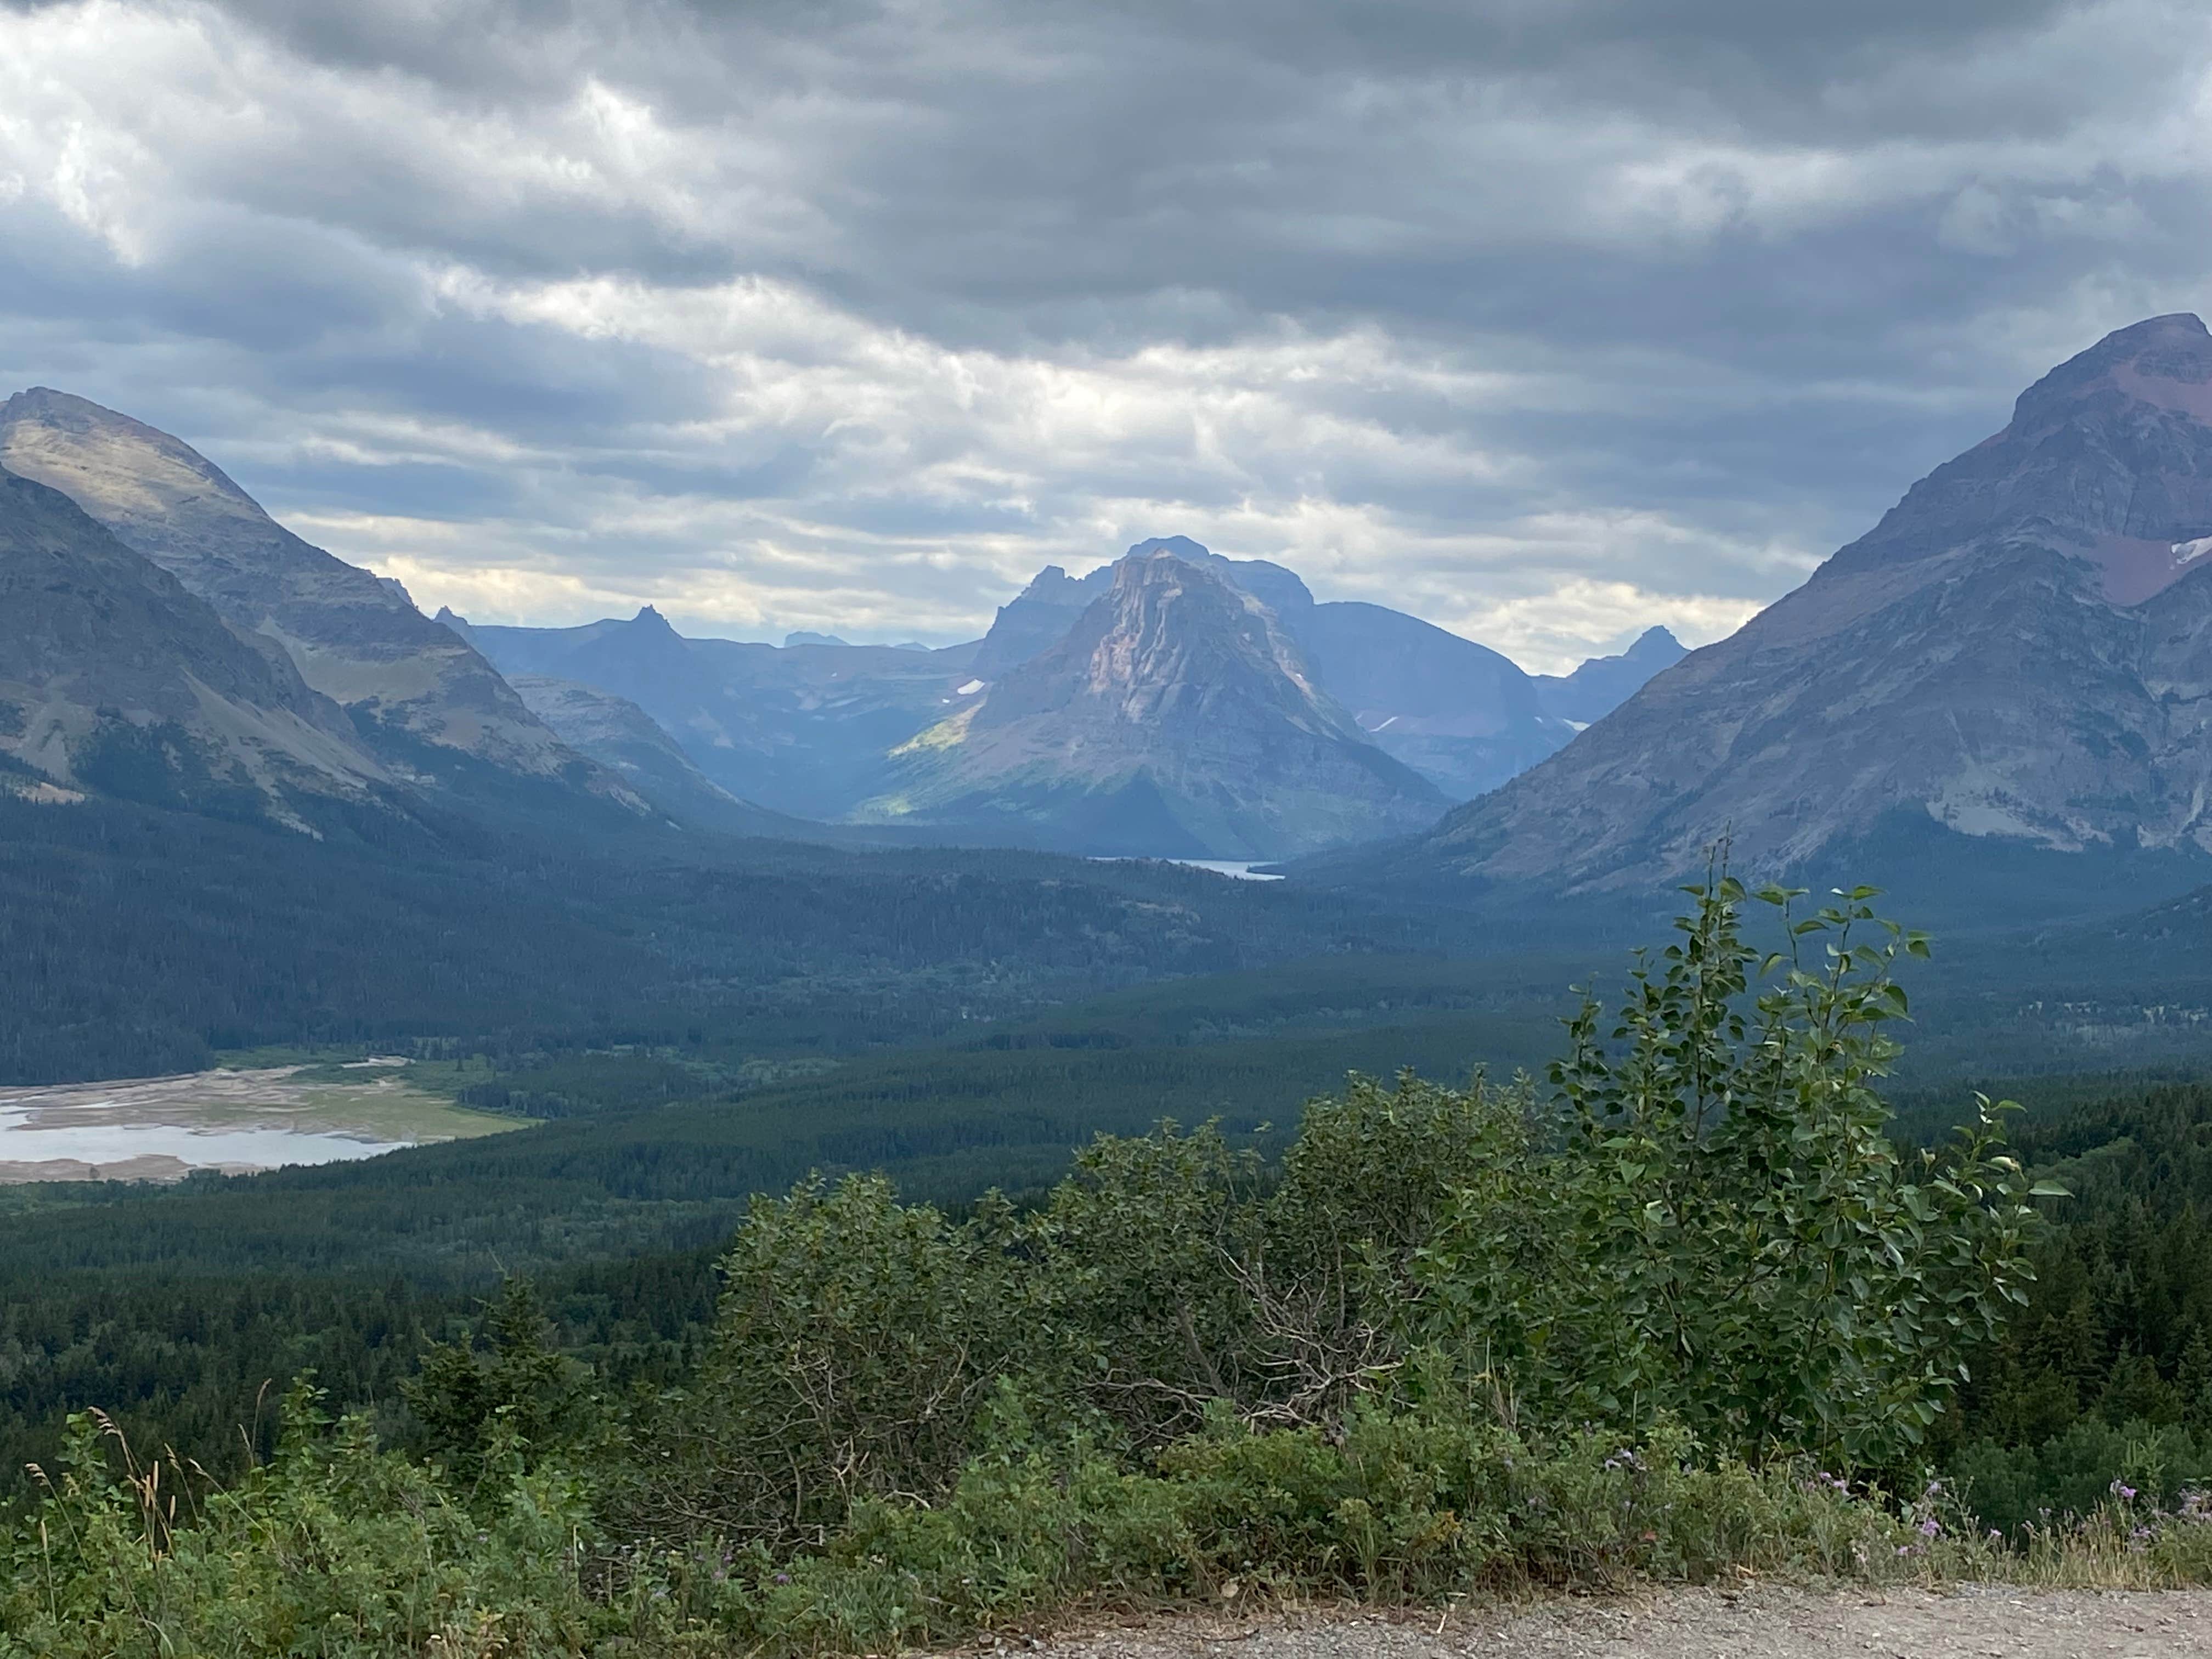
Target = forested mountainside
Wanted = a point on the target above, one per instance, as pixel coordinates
(136, 938)
(2020, 650)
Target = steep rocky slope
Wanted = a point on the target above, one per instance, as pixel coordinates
(115, 679)
(413, 688)
(1178, 717)
(2021, 649)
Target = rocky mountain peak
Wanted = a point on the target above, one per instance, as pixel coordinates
(2165, 361)
(1051, 583)
(407, 681)
(1175, 716)
(129, 474)
(1169, 632)
(650, 621)
(2021, 649)
(2107, 459)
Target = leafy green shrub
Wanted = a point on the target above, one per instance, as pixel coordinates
(2071, 1476)
(1727, 1236)
(858, 1338)
(333, 1548)
(1402, 1505)
(1705, 1224)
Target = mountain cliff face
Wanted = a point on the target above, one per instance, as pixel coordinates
(2021, 649)
(1461, 715)
(412, 687)
(1177, 717)
(114, 679)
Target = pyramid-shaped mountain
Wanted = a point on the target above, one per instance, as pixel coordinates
(1464, 716)
(1176, 716)
(415, 690)
(2021, 649)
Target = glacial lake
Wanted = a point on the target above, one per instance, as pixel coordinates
(1235, 869)
(234, 1119)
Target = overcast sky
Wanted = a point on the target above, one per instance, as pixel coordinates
(1546, 319)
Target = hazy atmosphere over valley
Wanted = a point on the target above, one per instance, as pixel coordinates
(1544, 323)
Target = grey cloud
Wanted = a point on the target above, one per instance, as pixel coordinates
(1740, 270)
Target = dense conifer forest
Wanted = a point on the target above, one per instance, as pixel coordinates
(1671, 1302)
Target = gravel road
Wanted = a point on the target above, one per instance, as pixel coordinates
(1760, 1623)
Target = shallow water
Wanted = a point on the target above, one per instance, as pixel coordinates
(91, 1135)
(162, 1128)
(1235, 869)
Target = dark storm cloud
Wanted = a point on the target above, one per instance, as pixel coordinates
(1545, 319)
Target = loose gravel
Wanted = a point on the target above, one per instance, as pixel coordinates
(1974, 1622)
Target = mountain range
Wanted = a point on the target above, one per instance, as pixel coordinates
(1213, 709)
(1011, 738)
(2020, 653)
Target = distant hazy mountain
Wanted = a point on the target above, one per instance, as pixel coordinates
(1178, 716)
(814, 727)
(115, 679)
(1461, 715)
(805, 730)
(626, 740)
(1603, 684)
(415, 691)
(2021, 649)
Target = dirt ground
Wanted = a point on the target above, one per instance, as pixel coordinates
(1760, 1623)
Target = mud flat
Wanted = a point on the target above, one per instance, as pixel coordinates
(232, 1120)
